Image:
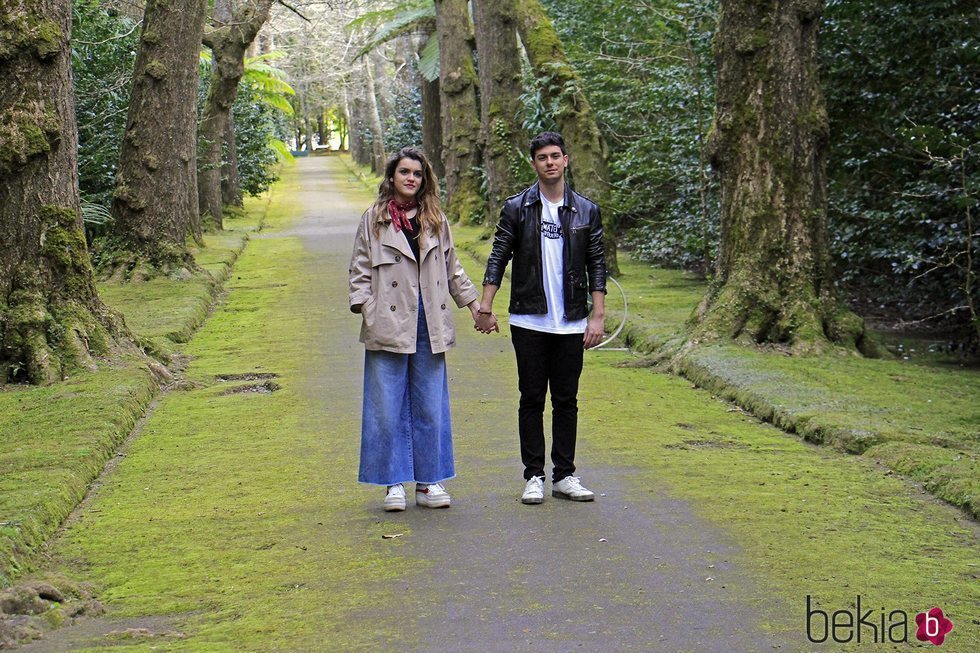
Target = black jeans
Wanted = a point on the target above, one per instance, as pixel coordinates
(543, 360)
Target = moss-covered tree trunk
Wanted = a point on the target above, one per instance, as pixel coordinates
(233, 32)
(155, 202)
(769, 145)
(559, 82)
(495, 27)
(460, 115)
(51, 318)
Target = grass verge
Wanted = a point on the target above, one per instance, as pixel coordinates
(56, 439)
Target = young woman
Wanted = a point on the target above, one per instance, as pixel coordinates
(404, 279)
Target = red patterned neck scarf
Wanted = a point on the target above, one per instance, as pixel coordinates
(399, 214)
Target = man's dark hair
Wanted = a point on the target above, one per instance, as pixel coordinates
(544, 139)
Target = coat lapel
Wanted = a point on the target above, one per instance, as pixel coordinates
(427, 244)
(397, 240)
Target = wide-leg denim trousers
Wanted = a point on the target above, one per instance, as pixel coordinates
(406, 434)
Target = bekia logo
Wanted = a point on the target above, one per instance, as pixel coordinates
(882, 626)
(933, 626)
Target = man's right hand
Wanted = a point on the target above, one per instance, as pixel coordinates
(486, 323)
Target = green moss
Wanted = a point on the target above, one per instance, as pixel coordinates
(49, 39)
(25, 134)
(234, 526)
(63, 242)
(156, 69)
(57, 438)
(791, 507)
(752, 41)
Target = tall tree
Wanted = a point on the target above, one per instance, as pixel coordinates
(374, 117)
(460, 116)
(769, 146)
(155, 201)
(231, 182)
(51, 317)
(560, 84)
(233, 32)
(495, 27)
(431, 109)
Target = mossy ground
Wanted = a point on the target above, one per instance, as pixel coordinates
(810, 520)
(56, 439)
(224, 498)
(235, 514)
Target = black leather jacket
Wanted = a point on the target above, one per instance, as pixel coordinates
(518, 236)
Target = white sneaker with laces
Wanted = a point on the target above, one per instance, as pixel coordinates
(533, 490)
(433, 495)
(570, 488)
(395, 499)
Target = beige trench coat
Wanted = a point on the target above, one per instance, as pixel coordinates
(385, 281)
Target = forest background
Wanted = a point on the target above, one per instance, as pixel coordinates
(900, 80)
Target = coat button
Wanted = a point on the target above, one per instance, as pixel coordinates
(443, 307)
(392, 307)
(398, 258)
(394, 284)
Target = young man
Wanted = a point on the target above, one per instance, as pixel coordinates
(554, 236)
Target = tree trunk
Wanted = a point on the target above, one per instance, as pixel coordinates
(358, 148)
(155, 201)
(321, 129)
(382, 85)
(769, 146)
(575, 118)
(51, 318)
(431, 118)
(343, 124)
(460, 115)
(231, 181)
(377, 134)
(228, 42)
(500, 88)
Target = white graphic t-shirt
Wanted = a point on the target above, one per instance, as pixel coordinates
(552, 268)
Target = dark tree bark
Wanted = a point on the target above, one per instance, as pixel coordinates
(769, 146)
(155, 201)
(495, 27)
(51, 318)
(234, 31)
(460, 115)
(576, 121)
(359, 150)
(231, 181)
(431, 117)
(321, 129)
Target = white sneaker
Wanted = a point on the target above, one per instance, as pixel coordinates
(431, 496)
(395, 499)
(570, 488)
(533, 490)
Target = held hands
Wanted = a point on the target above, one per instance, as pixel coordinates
(484, 322)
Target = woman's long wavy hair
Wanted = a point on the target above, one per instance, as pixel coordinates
(430, 210)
